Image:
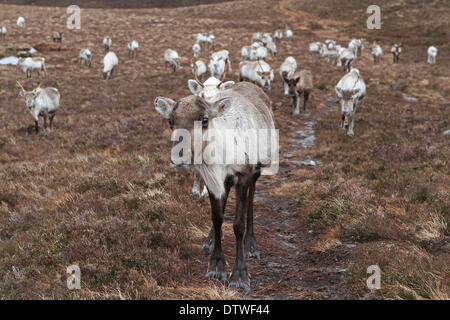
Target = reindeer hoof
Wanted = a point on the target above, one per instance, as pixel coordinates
(221, 276)
(350, 133)
(239, 285)
(253, 254)
(295, 115)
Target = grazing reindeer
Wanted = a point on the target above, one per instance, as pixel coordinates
(41, 102)
(396, 50)
(133, 47)
(3, 32)
(346, 58)
(28, 65)
(258, 72)
(110, 62)
(198, 68)
(107, 42)
(376, 53)
(207, 90)
(288, 33)
(171, 59)
(278, 35)
(432, 53)
(21, 22)
(350, 91)
(57, 36)
(257, 36)
(357, 46)
(272, 47)
(86, 56)
(217, 62)
(287, 70)
(242, 107)
(301, 83)
(196, 48)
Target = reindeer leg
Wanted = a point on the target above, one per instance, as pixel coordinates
(45, 120)
(52, 115)
(216, 267)
(249, 241)
(239, 276)
(208, 244)
(352, 121)
(36, 126)
(296, 105)
(305, 101)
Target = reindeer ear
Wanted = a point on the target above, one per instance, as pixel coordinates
(22, 94)
(164, 106)
(226, 85)
(221, 106)
(194, 86)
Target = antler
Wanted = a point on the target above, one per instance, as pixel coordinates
(196, 77)
(224, 75)
(21, 86)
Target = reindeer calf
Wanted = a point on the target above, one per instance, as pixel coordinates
(301, 83)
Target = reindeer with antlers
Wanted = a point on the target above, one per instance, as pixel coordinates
(208, 90)
(41, 102)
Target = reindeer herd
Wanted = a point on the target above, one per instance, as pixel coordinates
(222, 105)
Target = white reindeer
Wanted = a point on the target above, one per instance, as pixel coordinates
(257, 36)
(217, 62)
(41, 102)
(432, 54)
(28, 65)
(133, 47)
(350, 91)
(171, 59)
(86, 56)
(208, 90)
(107, 42)
(196, 48)
(201, 38)
(258, 72)
(21, 22)
(278, 35)
(396, 50)
(288, 34)
(225, 125)
(272, 47)
(357, 46)
(198, 68)
(110, 62)
(3, 32)
(287, 70)
(346, 58)
(376, 53)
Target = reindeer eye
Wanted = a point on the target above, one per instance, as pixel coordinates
(171, 123)
(205, 122)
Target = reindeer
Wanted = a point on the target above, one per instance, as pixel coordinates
(21, 22)
(28, 65)
(86, 56)
(224, 124)
(258, 72)
(396, 50)
(217, 62)
(171, 59)
(376, 53)
(110, 62)
(107, 42)
(350, 91)
(57, 36)
(207, 90)
(3, 32)
(287, 70)
(133, 47)
(301, 83)
(432, 54)
(41, 102)
(346, 58)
